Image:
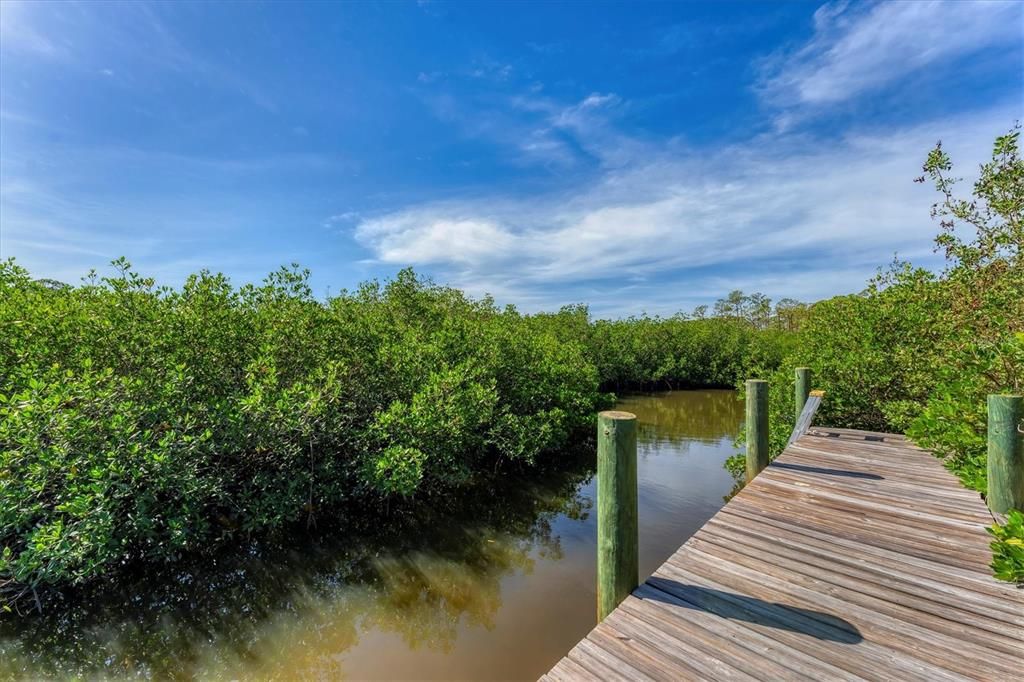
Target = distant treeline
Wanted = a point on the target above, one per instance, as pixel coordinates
(675, 352)
(141, 422)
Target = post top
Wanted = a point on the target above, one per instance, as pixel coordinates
(757, 381)
(802, 368)
(617, 415)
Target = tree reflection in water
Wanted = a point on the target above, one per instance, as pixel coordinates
(679, 418)
(297, 606)
(415, 591)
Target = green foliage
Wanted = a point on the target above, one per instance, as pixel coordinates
(1008, 548)
(978, 320)
(139, 422)
(142, 423)
(664, 353)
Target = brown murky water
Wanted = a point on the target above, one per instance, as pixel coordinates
(500, 590)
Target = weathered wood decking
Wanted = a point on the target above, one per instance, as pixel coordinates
(855, 555)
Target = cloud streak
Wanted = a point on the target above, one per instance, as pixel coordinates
(752, 211)
(19, 34)
(83, 37)
(858, 49)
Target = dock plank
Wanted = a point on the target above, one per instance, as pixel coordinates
(855, 555)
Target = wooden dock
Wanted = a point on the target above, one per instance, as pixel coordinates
(854, 555)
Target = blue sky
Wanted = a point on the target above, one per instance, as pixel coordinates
(634, 157)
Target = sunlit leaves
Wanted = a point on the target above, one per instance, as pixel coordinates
(139, 422)
(1008, 548)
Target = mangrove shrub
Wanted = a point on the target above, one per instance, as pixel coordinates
(140, 422)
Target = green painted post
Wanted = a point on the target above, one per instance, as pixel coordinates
(757, 427)
(803, 389)
(1005, 453)
(618, 559)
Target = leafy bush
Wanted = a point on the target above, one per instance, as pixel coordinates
(665, 353)
(140, 422)
(1008, 548)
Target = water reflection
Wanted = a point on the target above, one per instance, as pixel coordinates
(238, 611)
(499, 586)
(679, 418)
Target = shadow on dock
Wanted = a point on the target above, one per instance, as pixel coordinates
(733, 606)
(827, 472)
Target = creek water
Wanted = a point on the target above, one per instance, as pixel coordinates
(501, 590)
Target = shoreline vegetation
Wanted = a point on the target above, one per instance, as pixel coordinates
(141, 423)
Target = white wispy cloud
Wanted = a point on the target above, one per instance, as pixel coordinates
(20, 34)
(490, 69)
(858, 48)
(84, 37)
(341, 220)
(752, 209)
(427, 237)
(430, 76)
(516, 124)
(537, 130)
(577, 115)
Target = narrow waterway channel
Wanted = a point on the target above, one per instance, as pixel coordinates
(502, 593)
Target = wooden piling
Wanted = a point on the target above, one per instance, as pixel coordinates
(618, 559)
(803, 390)
(757, 427)
(1005, 453)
